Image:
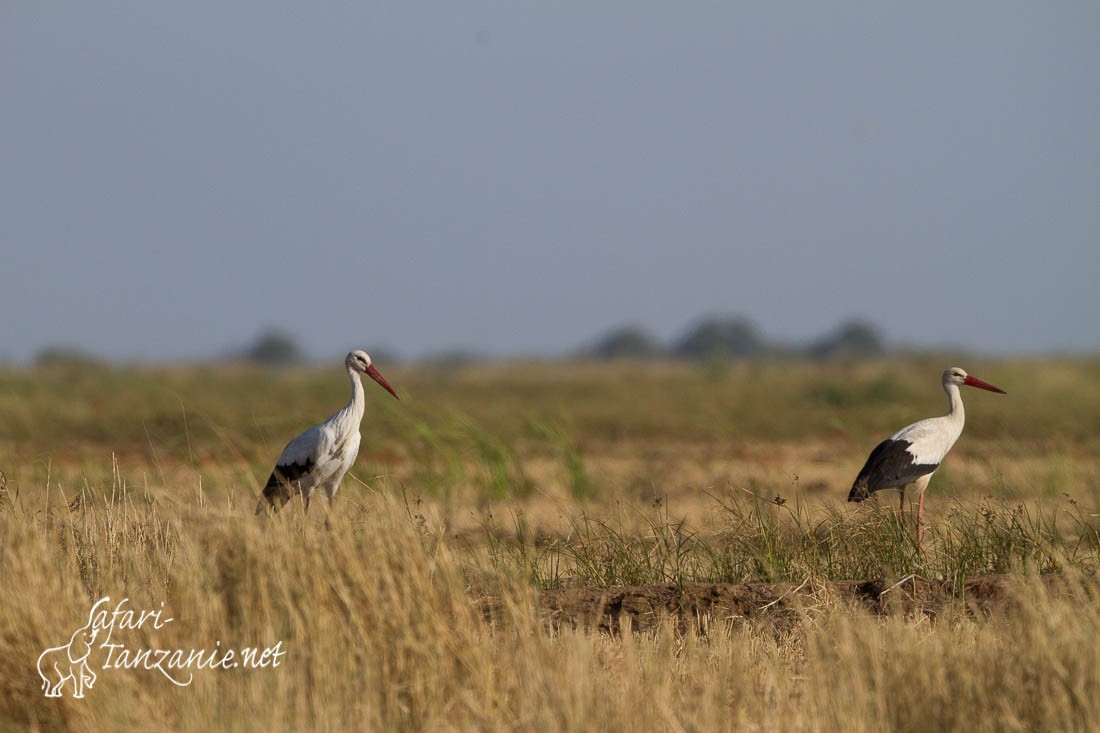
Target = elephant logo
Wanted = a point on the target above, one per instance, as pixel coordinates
(69, 663)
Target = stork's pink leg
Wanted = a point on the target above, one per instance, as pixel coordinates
(920, 520)
(901, 504)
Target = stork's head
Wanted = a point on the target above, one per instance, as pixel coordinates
(359, 361)
(959, 377)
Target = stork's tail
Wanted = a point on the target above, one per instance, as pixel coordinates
(276, 493)
(859, 492)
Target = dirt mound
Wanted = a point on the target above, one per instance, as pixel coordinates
(698, 605)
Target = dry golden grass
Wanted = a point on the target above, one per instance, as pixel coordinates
(381, 632)
(508, 480)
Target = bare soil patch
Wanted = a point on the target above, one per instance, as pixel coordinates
(699, 605)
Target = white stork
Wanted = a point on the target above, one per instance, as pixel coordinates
(321, 456)
(911, 455)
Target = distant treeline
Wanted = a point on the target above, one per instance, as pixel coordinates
(716, 337)
(736, 337)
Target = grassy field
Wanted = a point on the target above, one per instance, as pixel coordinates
(491, 492)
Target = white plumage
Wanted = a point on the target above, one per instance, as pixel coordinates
(911, 455)
(319, 457)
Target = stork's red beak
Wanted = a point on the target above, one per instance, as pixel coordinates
(975, 382)
(377, 376)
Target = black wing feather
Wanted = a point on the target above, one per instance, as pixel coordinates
(889, 466)
(279, 484)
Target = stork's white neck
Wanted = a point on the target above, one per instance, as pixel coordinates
(956, 413)
(357, 404)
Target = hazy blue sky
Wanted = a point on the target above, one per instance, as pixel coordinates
(519, 177)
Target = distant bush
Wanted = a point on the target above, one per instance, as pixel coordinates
(720, 337)
(273, 348)
(66, 356)
(852, 340)
(625, 342)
